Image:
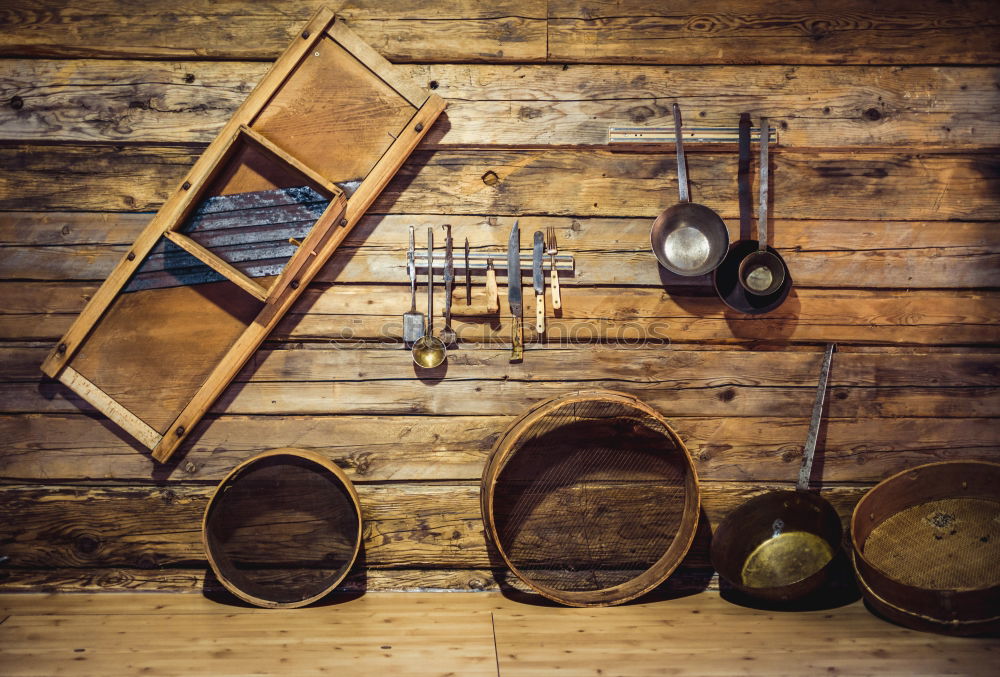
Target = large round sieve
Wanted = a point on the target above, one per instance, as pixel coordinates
(926, 547)
(283, 528)
(591, 499)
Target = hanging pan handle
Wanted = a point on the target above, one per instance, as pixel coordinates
(817, 417)
(682, 172)
(765, 141)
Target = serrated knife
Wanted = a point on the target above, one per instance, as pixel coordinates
(514, 296)
(538, 278)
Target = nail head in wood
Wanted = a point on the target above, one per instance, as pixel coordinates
(343, 222)
(180, 430)
(294, 284)
(131, 256)
(186, 185)
(61, 348)
(419, 127)
(305, 34)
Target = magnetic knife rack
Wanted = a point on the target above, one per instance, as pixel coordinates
(565, 263)
(665, 135)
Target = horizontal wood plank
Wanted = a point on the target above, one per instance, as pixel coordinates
(361, 313)
(751, 32)
(636, 31)
(710, 635)
(66, 448)
(484, 382)
(189, 102)
(828, 254)
(406, 633)
(405, 526)
(197, 582)
(366, 634)
(676, 366)
(508, 30)
(854, 185)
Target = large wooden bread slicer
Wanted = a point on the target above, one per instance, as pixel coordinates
(237, 242)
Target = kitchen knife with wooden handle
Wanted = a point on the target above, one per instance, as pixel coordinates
(538, 278)
(514, 296)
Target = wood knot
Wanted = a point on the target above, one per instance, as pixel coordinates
(490, 178)
(872, 115)
(87, 544)
(728, 395)
(16, 102)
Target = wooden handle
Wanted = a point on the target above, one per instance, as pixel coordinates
(516, 340)
(556, 301)
(540, 313)
(492, 298)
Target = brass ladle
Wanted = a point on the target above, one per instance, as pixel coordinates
(429, 351)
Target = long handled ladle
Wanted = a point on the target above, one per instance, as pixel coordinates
(762, 272)
(429, 351)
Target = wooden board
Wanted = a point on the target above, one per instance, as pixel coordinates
(608, 251)
(755, 31)
(455, 634)
(111, 101)
(863, 185)
(160, 356)
(434, 525)
(645, 31)
(70, 448)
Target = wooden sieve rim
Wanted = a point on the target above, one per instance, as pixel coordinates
(945, 624)
(653, 576)
(304, 454)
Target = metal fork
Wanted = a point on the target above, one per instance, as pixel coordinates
(551, 248)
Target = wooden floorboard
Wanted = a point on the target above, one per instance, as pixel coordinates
(462, 634)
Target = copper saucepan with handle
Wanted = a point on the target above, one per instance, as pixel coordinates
(689, 238)
(781, 546)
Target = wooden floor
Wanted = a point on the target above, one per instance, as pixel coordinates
(461, 634)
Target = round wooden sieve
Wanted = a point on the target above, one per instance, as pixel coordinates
(926, 546)
(283, 528)
(591, 499)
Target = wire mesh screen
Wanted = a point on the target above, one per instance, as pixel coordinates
(282, 529)
(948, 544)
(591, 495)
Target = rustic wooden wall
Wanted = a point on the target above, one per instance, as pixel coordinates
(886, 206)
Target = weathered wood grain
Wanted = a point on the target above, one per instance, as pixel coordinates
(853, 185)
(678, 382)
(360, 313)
(508, 30)
(72, 448)
(189, 102)
(829, 254)
(195, 580)
(405, 526)
(722, 638)
(750, 32)
(372, 634)
(677, 365)
(849, 31)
